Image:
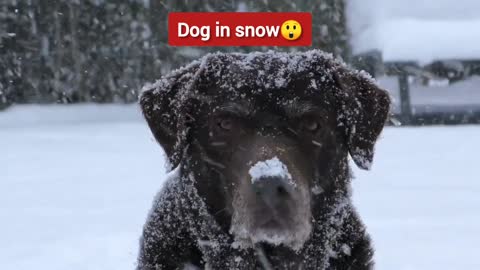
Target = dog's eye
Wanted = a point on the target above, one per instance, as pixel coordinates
(310, 124)
(225, 124)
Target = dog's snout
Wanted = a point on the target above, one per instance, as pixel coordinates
(272, 188)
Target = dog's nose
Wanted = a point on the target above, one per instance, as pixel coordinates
(272, 189)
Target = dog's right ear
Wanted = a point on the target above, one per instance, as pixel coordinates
(161, 105)
(363, 110)
(162, 121)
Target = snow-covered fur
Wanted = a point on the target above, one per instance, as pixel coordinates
(180, 229)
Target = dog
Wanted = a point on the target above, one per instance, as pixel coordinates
(258, 147)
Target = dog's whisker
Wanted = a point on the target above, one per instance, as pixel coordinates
(292, 130)
(317, 143)
(241, 148)
(207, 159)
(220, 211)
(217, 171)
(262, 257)
(218, 143)
(212, 162)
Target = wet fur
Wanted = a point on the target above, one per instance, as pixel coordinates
(188, 222)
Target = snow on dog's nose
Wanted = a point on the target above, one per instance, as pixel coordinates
(271, 180)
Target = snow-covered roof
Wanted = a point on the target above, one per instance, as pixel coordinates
(421, 31)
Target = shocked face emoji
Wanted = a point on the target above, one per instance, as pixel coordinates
(291, 30)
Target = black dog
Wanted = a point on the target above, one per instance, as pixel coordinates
(260, 145)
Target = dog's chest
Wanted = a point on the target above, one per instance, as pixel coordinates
(277, 258)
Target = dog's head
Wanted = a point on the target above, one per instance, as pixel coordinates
(272, 129)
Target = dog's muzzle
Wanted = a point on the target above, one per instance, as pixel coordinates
(273, 190)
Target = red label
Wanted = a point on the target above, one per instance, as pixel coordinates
(239, 29)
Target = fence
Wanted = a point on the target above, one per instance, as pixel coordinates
(443, 92)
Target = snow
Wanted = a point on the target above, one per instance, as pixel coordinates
(269, 168)
(271, 69)
(77, 183)
(432, 30)
(423, 41)
(420, 200)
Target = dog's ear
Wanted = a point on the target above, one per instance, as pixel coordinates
(161, 104)
(363, 111)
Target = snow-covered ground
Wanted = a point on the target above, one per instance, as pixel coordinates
(76, 184)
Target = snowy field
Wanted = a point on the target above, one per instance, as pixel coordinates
(76, 184)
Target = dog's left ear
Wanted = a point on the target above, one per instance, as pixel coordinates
(364, 108)
(162, 106)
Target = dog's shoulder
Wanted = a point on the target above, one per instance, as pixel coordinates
(354, 247)
(166, 242)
